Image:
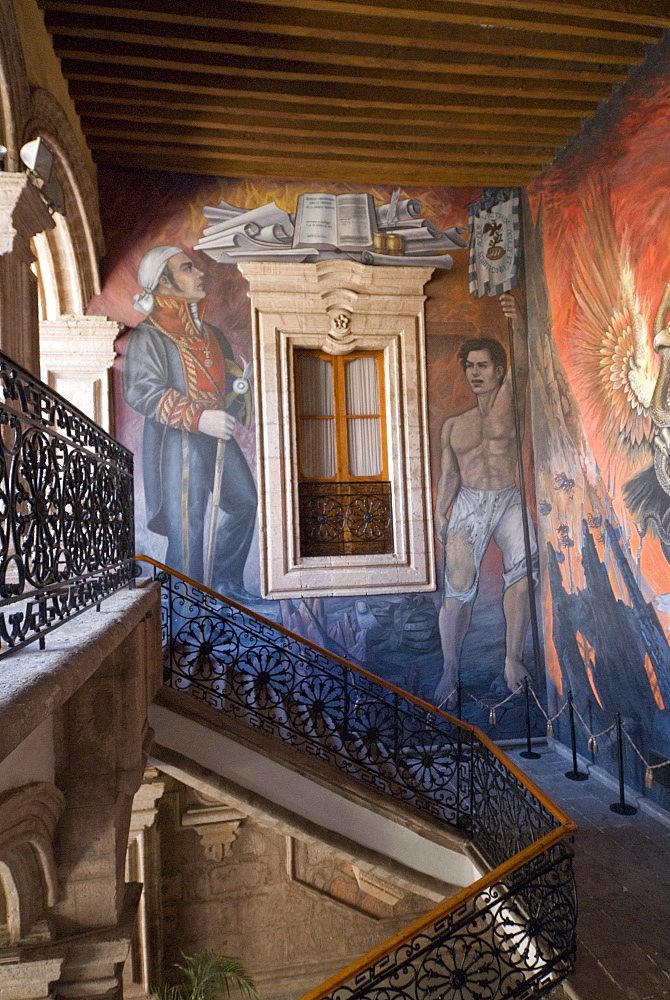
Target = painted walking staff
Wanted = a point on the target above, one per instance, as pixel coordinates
(180, 374)
(478, 500)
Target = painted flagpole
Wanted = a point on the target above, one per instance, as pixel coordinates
(534, 626)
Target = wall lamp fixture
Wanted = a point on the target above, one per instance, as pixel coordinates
(38, 160)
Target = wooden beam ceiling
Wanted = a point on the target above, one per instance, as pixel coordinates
(397, 91)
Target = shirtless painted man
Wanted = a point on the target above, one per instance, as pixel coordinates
(477, 499)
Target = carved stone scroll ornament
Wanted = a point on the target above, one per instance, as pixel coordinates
(340, 339)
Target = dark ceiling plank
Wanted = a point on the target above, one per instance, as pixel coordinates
(438, 12)
(196, 121)
(212, 143)
(328, 28)
(370, 58)
(242, 110)
(163, 158)
(306, 91)
(454, 12)
(653, 15)
(309, 75)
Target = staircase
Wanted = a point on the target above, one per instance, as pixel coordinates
(278, 718)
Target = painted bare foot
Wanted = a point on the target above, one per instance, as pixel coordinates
(444, 690)
(515, 674)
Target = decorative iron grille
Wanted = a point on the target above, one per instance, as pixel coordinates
(338, 519)
(512, 934)
(66, 510)
(511, 938)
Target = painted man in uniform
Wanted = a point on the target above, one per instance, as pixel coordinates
(477, 499)
(180, 374)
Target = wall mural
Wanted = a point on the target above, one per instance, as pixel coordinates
(600, 369)
(183, 406)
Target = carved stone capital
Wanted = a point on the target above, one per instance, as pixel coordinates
(217, 827)
(22, 214)
(145, 802)
(86, 341)
(76, 357)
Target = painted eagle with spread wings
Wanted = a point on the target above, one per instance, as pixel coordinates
(623, 378)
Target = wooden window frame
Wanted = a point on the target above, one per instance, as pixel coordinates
(341, 417)
(344, 515)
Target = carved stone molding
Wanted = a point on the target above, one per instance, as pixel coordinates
(75, 171)
(14, 89)
(76, 356)
(28, 818)
(320, 870)
(339, 306)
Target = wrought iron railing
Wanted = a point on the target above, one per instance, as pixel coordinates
(66, 510)
(338, 519)
(512, 933)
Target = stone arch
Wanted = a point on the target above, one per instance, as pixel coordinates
(28, 818)
(14, 89)
(76, 243)
(59, 286)
(76, 350)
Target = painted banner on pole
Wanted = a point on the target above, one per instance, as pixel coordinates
(494, 242)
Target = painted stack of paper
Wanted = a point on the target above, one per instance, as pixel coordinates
(327, 225)
(235, 234)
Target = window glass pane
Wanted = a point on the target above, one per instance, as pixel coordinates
(362, 386)
(315, 386)
(317, 448)
(364, 443)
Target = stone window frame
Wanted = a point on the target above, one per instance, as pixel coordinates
(341, 306)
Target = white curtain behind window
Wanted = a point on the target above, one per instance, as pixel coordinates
(315, 399)
(363, 435)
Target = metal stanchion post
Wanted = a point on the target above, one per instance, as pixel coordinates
(575, 774)
(528, 753)
(621, 807)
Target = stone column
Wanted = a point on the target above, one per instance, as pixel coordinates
(143, 864)
(77, 354)
(22, 215)
(101, 747)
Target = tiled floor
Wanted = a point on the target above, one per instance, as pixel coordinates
(622, 866)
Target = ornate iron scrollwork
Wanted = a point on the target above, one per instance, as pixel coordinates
(345, 518)
(66, 510)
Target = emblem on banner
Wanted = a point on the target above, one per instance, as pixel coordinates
(494, 243)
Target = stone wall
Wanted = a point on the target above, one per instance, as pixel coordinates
(293, 911)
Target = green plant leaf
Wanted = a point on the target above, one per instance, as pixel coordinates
(209, 976)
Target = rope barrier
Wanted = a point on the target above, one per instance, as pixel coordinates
(593, 737)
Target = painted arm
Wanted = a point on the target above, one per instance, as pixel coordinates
(448, 483)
